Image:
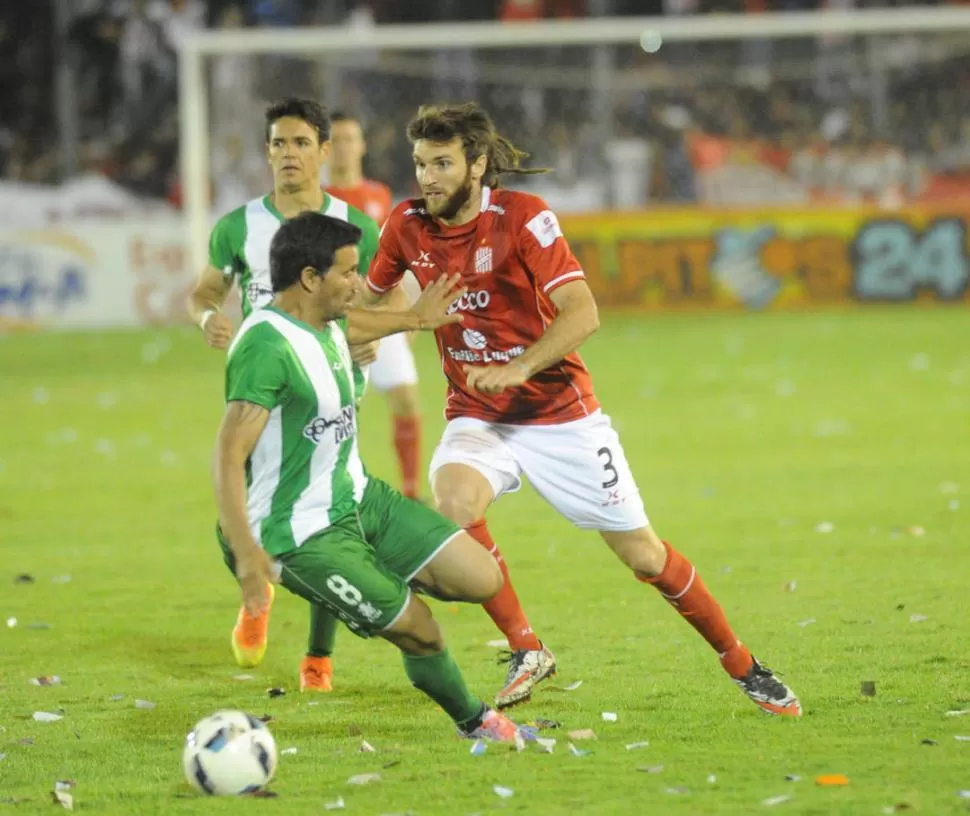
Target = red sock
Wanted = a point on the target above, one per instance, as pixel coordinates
(407, 441)
(504, 609)
(684, 590)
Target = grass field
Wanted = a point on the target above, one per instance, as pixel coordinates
(746, 434)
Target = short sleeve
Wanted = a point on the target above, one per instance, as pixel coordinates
(256, 372)
(545, 250)
(368, 243)
(388, 267)
(227, 239)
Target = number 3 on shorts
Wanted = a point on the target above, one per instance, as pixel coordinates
(344, 590)
(609, 468)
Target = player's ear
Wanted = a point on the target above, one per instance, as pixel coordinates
(478, 167)
(308, 275)
(325, 151)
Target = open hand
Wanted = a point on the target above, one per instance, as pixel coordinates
(432, 307)
(494, 379)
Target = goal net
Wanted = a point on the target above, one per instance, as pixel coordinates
(760, 110)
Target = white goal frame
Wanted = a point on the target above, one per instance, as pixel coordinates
(193, 98)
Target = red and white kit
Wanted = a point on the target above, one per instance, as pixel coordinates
(511, 258)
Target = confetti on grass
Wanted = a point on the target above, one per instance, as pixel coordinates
(364, 779)
(504, 793)
(832, 780)
(144, 705)
(289, 752)
(609, 716)
(337, 804)
(479, 747)
(578, 752)
(633, 746)
(47, 717)
(776, 800)
(583, 734)
(45, 680)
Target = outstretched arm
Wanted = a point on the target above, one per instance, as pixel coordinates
(429, 312)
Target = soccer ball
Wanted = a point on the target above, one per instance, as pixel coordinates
(229, 753)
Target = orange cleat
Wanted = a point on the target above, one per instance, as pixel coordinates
(250, 635)
(316, 674)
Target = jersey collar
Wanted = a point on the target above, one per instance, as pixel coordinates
(271, 208)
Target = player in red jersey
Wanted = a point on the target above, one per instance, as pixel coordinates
(520, 399)
(393, 372)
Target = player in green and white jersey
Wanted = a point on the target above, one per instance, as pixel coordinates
(297, 147)
(296, 504)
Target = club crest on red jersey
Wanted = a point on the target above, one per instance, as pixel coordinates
(483, 260)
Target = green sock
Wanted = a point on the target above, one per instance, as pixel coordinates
(323, 631)
(439, 677)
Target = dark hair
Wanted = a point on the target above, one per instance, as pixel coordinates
(344, 116)
(313, 113)
(470, 123)
(310, 239)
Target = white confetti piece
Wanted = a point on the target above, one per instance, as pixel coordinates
(2, 757)
(47, 717)
(917, 618)
(116, 697)
(791, 586)
(367, 748)
(776, 800)
(479, 747)
(11, 623)
(824, 527)
(498, 644)
(64, 784)
(676, 791)
(919, 362)
(577, 752)
(957, 712)
(806, 622)
(792, 778)
(961, 738)
(964, 794)
(711, 779)
(364, 779)
(546, 744)
(65, 800)
(652, 769)
(145, 705)
(519, 742)
(574, 685)
(337, 804)
(243, 677)
(633, 746)
(289, 752)
(609, 716)
(504, 793)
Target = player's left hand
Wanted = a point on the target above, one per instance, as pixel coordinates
(363, 354)
(494, 379)
(436, 298)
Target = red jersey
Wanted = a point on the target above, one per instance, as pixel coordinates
(511, 257)
(369, 197)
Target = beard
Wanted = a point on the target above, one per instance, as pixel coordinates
(458, 199)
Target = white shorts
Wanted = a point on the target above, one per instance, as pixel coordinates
(394, 365)
(578, 467)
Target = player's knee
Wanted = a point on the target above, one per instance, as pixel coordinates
(641, 550)
(458, 506)
(403, 401)
(416, 631)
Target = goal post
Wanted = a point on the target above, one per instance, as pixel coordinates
(564, 61)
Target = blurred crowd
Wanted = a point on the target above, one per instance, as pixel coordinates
(733, 122)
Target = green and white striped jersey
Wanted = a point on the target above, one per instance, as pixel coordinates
(305, 471)
(239, 244)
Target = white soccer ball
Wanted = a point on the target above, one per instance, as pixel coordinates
(229, 753)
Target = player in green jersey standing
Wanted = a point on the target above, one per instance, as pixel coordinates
(297, 147)
(295, 501)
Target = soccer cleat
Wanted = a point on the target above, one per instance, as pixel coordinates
(768, 692)
(496, 727)
(316, 674)
(527, 668)
(250, 634)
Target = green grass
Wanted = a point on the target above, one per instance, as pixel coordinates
(745, 433)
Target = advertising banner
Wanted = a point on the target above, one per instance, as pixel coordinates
(773, 257)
